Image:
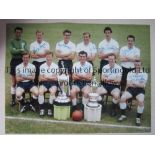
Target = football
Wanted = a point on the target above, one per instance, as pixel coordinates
(77, 115)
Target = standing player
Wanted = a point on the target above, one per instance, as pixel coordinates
(111, 76)
(48, 82)
(65, 52)
(39, 49)
(136, 82)
(25, 73)
(82, 76)
(107, 47)
(88, 47)
(17, 47)
(128, 55)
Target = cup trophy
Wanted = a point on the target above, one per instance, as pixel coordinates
(62, 102)
(92, 110)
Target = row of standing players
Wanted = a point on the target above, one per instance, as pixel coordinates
(65, 52)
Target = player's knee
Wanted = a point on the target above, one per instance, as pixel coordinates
(73, 92)
(116, 96)
(41, 92)
(36, 92)
(141, 104)
(85, 93)
(140, 99)
(53, 92)
(18, 94)
(123, 98)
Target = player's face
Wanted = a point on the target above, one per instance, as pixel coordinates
(108, 34)
(137, 65)
(111, 60)
(82, 58)
(18, 34)
(86, 38)
(130, 42)
(39, 37)
(49, 58)
(67, 37)
(26, 59)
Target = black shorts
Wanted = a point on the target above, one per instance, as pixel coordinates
(135, 91)
(68, 64)
(26, 85)
(110, 87)
(37, 65)
(81, 84)
(13, 64)
(102, 63)
(48, 84)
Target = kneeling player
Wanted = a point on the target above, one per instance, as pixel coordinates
(82, 76)
(111, 77)
(136, 82)
(48, 82)
(25, 74)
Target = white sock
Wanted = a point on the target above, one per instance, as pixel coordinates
(52, 97)
(74, 102)
(140, 109)
(41, 99)
(114, 101)
(122, 105)
(84, 100)
(13, 90)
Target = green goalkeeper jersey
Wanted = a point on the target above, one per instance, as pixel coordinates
(17, 47)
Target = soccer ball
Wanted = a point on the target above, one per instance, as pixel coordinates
(77, 115)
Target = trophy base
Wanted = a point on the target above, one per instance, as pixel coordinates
(92, 114)
(62, 110)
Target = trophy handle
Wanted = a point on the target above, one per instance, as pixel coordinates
(62, 63)
(68, 86)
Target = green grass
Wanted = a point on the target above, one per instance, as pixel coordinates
(27, 127)
(53, 33)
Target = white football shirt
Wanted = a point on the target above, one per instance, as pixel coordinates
(66, 48)
(137, 78)
(90, 48)
(40, 49)
(130, 53)
(48, 71)
(83, 69)
(107, 47)
(25, 71)
(112, 73)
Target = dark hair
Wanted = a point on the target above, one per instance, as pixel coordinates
(131, 36)
(66, 31)
(107, 29)
(83, 52)
(18, 28)
(112, 55)
(26, 53)
(138, 61)
(49, 53)
(38, 31)
(85, 33)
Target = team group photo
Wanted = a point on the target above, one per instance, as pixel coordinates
(77, 78)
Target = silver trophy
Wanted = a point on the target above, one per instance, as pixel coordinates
(93, 97)
(63, 81)
(92, 110)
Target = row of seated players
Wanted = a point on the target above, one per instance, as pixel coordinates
(81, 76)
